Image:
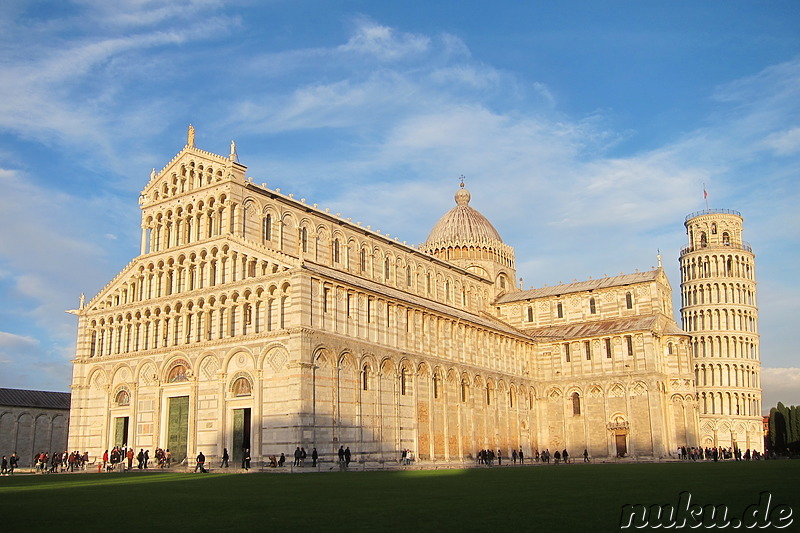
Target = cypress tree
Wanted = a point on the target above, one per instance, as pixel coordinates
(780, 428)
(773, 430)
(795, 427)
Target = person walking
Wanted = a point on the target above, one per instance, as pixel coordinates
(565, 456)
(341, 457)
(346, 457)
(246, 459)
(225, 458)
(314, 457)
(4, 466)
(521, 459)
(585, 455)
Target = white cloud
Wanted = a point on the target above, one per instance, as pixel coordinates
(779, 385)
(784, 142)
(11, 341)
(383, 42)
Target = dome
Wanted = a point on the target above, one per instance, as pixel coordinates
(463, 224)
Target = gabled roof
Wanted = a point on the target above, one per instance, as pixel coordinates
(597, 328)
(34, 398)
(581, 286)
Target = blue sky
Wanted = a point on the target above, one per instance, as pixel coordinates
(586, 131)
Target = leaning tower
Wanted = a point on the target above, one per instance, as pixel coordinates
(718, 308)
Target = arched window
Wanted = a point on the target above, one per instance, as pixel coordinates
(464, 391)
(560, 310)
(726, 238)
(713, 228)
(365, 378)
(592, 306)
(363, 260)
(304, 239)
(386, 269)
(335, 250)
(530, 314)
(266, 229)
(408, 276)
(123, 398)
(242, 387)
(436, 380)
(628, 300)
(703, 239)
(403, 378)
(576, 404)
(177, 374)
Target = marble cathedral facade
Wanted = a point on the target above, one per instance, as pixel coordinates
(252, 319)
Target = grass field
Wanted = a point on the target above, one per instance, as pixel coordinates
(542, 498)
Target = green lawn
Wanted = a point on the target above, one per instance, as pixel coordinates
(542, 498)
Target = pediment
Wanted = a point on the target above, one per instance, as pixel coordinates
(191, 169)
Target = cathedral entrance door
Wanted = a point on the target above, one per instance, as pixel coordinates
(121, 431)
(622, 445)
(178, 427)
(241, 434)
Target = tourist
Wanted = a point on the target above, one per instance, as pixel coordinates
(341, 457)
(140, 458)
(13, 461)
(314, 457)
(201, 460)
(146, 457)
(281, 460)
(499, 458)
(346, 457)
(565, 456)
(557, 456)
(296, 457)
(585, 455)
(303, 456)
(521, 459)
(246, 459)
(168, 457)
(514, 456)
(4, 466)
(225, 458)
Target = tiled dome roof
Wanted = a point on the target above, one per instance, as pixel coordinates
(463, 224)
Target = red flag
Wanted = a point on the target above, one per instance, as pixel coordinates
(705, 194)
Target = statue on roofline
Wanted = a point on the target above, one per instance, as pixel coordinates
(190, 140)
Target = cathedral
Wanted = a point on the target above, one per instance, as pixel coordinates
(252, 320)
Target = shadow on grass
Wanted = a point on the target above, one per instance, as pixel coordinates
(546, 498)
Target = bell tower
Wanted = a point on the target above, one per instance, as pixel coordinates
(719, 310)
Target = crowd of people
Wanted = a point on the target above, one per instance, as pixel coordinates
(717, 454)
(121, 458)
(47, 463)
